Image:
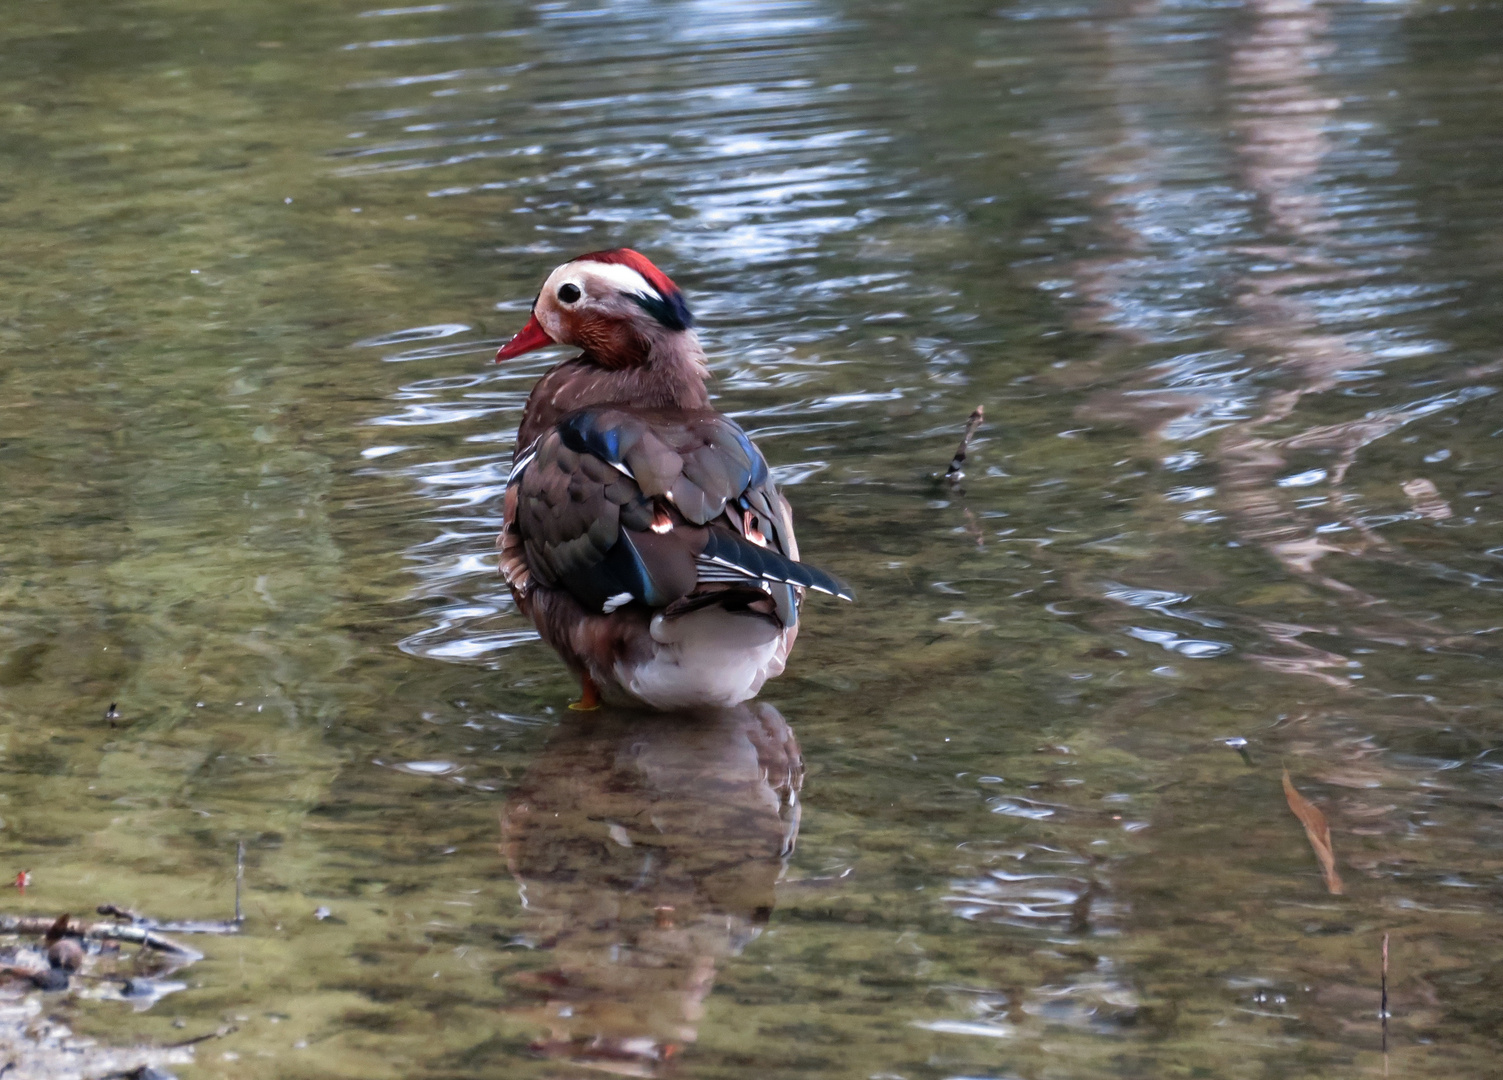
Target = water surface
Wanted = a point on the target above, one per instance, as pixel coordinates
(1227, 278)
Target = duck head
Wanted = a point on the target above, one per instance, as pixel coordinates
(615, 305)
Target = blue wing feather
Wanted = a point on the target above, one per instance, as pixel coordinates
(765, 564)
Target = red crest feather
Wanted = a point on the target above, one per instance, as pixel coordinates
(638, 262)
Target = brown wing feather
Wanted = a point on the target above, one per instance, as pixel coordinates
(654, 480)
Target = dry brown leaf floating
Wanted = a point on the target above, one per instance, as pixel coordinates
(1318, 832)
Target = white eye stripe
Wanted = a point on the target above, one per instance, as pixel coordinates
(607, 275)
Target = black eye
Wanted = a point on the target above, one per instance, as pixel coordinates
(568, 293)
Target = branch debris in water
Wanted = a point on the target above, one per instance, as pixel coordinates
(956, 471)
(68, 954)
(1318, 832)
(171, 926)
(46, 924)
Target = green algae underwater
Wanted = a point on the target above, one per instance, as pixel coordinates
(1226, 278)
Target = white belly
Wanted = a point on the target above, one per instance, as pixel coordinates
(708, 657)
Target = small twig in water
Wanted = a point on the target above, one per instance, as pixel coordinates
(956, 471)
(239, 878)
(122, 913)
(1383, 1004)
(217, 1033)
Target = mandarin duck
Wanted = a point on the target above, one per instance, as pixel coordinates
(642, 531)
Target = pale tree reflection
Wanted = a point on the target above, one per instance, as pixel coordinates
(1282, 139)
(1245, 245)
(646, 850)
(1282, 265)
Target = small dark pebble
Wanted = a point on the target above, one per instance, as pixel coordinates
(51, 979)
(150, 1072)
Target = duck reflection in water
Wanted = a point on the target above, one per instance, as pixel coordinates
(647, 849)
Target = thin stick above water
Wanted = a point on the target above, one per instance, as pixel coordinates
(239, 878)
(956, 470)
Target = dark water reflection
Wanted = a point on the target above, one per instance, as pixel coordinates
(1226, 276)
(647, 850)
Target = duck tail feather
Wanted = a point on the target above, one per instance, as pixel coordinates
(726, 550)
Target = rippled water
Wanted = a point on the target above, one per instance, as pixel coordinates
(1226, 277)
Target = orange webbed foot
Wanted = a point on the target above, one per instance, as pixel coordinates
(589, 696)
